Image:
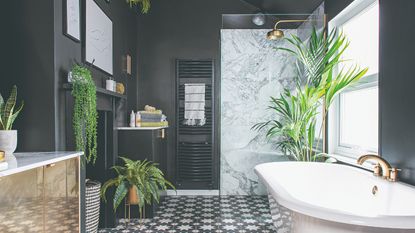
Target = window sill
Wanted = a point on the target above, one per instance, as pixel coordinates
(368, 165)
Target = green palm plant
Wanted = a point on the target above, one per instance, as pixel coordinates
(317, 87)
(143, 176)
(8, 110)
(144, 4)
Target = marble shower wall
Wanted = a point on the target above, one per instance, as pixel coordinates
(252, 71)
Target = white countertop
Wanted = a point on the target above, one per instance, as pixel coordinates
(141, 128)
(25, 161)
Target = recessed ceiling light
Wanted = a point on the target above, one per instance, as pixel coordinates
(259, 19)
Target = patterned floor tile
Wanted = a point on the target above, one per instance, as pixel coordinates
(203, 214)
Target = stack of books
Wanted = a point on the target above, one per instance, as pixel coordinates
(152, 117)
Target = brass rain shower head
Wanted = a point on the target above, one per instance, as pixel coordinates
(276, 33)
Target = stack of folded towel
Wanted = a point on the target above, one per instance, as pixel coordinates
(194, 106)
(151, 117)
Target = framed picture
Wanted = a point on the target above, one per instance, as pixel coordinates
(72, 19)
(98, 38)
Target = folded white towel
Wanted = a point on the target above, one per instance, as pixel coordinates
(194, 107)
(194, 97)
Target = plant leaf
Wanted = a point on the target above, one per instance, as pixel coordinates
(14, 116)
(120, 194)
(9, 106)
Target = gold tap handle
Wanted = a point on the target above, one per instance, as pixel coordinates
(377, 170)
(394, 174)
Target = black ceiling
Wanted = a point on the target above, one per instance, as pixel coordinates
(285, 6)
(275, 10)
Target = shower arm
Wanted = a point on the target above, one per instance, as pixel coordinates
(288, 21)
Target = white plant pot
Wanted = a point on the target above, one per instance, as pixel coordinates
(8, 141)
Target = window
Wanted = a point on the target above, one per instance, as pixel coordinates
(353, 118)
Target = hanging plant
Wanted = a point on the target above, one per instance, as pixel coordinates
(143, 4)
(85, 112)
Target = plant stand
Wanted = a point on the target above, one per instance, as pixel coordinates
(127, 212)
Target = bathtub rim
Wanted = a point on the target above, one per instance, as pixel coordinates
(380, 221)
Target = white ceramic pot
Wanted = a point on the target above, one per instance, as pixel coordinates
(110, 85)
(8, 141)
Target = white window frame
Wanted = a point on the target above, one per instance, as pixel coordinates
(341, 151)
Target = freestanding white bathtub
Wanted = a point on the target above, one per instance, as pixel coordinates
(331, 198)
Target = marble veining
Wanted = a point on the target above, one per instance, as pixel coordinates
(252, 71)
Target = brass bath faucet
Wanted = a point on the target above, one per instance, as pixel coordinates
(382, 168)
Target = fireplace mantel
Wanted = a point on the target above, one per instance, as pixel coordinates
(100, 90)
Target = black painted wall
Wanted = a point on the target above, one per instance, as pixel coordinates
(186, 29)
(36, 56)
(396, 82)
(333, 7)
(27, 61)
(396, 85)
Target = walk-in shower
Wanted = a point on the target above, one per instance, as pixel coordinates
(253, 70)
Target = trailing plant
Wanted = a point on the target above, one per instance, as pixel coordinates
(144, 176)
(317, 85)
(85, 112)
(8, 110)
(144, 5)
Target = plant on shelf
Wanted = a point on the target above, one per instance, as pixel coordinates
(85, 112)
(144, 4)
(9, 111)
(141, 180)
(317, 85)
(8, 114)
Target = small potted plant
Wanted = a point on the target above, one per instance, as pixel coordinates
(8, 114)
(144, 4)
(141, 180)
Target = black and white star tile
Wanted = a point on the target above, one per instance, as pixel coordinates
(202, 214)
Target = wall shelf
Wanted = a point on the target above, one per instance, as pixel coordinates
(100, 90)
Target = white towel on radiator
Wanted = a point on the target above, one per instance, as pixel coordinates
(194, 104)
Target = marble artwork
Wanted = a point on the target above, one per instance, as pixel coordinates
(252, 71)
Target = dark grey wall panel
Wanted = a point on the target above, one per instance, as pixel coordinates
(67, 52)
(333, 7)
(36, 56)
(27, 41)
(396, 85)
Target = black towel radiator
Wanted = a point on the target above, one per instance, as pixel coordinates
(195, 144)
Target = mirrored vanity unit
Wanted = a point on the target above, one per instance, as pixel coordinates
(40, 192)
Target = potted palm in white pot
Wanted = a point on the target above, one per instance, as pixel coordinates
(8, 114)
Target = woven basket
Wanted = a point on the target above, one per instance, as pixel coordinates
(92, 195)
